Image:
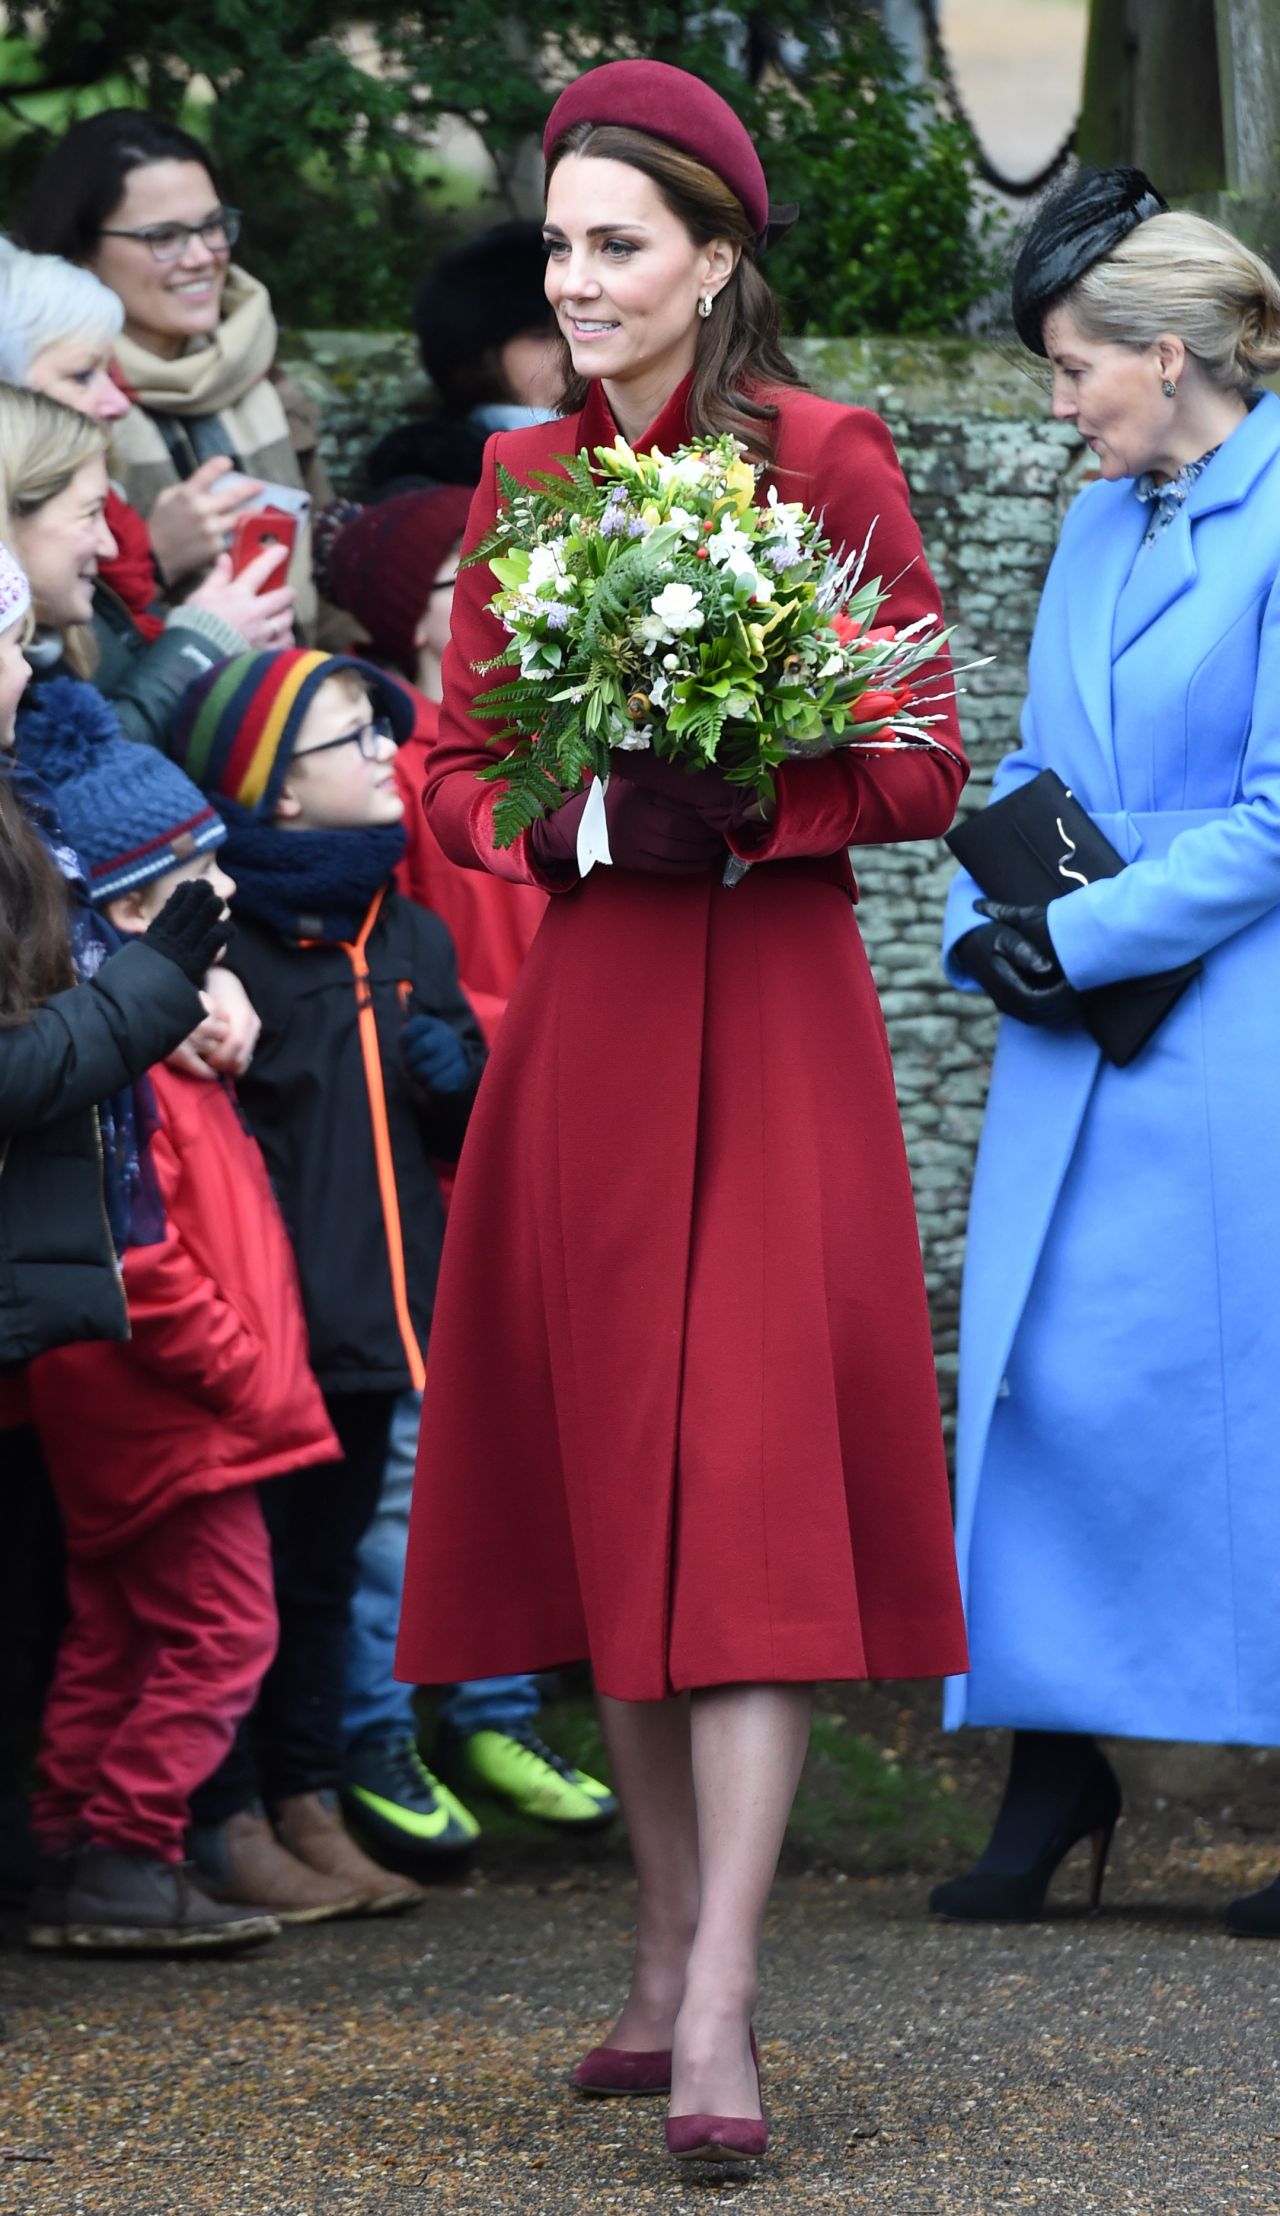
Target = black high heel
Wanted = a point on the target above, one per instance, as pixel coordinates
(1047, 1815)
(1257, 1915)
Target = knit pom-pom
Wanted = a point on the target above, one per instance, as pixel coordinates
(65, 727)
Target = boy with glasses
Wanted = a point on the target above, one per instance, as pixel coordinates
(363, 1079)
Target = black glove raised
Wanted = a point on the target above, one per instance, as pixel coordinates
(191, 928)
(1021, 979)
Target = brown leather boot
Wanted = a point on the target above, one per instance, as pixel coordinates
(311, 1827)
(242, 1860)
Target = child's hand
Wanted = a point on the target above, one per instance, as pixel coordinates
(231, 1050)
(195, 1055)
(435, 1054)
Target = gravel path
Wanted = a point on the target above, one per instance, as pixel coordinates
(398, 2068)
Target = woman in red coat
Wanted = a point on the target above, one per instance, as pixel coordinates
(680, 1410)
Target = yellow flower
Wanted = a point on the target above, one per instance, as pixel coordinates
(740, 483)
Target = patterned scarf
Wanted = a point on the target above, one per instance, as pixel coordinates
(1166, 497)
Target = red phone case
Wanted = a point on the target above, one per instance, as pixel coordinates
(252, 534)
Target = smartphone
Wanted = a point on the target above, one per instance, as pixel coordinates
(289, 498)
(252, 534)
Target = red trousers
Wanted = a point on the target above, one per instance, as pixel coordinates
(168, 1642)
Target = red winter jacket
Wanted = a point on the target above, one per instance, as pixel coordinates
(492, 924)
(212, 1389)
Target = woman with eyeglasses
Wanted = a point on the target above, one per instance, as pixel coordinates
(136, 200)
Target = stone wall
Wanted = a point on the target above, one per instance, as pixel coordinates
(990, 477)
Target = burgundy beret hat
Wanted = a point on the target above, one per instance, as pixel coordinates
(669, 104)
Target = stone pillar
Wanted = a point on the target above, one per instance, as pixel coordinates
(1249, 75)
(1151, 92)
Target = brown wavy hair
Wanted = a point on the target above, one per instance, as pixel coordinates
(739, 346)
(35, 920)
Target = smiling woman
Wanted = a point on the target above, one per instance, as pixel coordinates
(665, 1424)
(53, 494)
(137, 201)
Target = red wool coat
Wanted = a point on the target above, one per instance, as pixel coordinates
(213, 1388)
(492, 925)
(680, 1408)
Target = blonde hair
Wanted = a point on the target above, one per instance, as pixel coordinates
(1180, 273)
(42, 447)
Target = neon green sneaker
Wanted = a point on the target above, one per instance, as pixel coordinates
(519, 1767)
(394, 1799)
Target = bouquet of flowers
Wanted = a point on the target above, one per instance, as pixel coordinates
(651, 601)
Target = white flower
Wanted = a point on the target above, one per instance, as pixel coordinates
(546, 567)
(673, 611)
(688, 526)
(731, 547)
(688, 469)
(634, 739)
(660, 689)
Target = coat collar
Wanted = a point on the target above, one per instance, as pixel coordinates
(1168, 568)
(669, 429)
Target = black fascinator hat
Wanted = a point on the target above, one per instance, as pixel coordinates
(1080, 224)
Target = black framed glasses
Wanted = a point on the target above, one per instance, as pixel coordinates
(168, 242)
(368, 738)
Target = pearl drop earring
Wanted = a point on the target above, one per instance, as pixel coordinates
(704, 306)
(1168, 388)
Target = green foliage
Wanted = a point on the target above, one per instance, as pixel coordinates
(889, 238)
(338, 169)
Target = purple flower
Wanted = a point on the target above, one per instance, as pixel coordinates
(556, 615)
(783, 557)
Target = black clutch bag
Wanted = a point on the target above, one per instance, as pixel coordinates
(1037, 843)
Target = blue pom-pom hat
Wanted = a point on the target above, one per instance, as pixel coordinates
(130, 813)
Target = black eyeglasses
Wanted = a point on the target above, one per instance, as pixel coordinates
(168, 242)
(368, 738)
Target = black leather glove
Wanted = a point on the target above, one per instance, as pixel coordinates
(1031, 923)
(649, 829)
(191, 928)
(1018, 976)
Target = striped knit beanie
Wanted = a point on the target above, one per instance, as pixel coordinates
(235, 729)
(129, 813)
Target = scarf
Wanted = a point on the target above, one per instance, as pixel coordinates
(307, 884)
(217, 397)
(1166, 497)
(126, 1120)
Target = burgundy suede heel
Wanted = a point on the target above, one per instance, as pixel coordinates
(623, 2070)
(720, 2138)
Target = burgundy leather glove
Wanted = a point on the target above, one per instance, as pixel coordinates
(648, 830)
(707, 791)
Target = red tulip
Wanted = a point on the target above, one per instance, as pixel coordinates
(874, 707)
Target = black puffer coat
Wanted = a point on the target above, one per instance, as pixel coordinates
(58, 1275)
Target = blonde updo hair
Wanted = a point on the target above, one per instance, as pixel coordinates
(1180, 273)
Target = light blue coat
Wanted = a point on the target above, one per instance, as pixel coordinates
(1119, 1440)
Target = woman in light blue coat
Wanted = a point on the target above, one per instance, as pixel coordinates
(1119, 1444)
